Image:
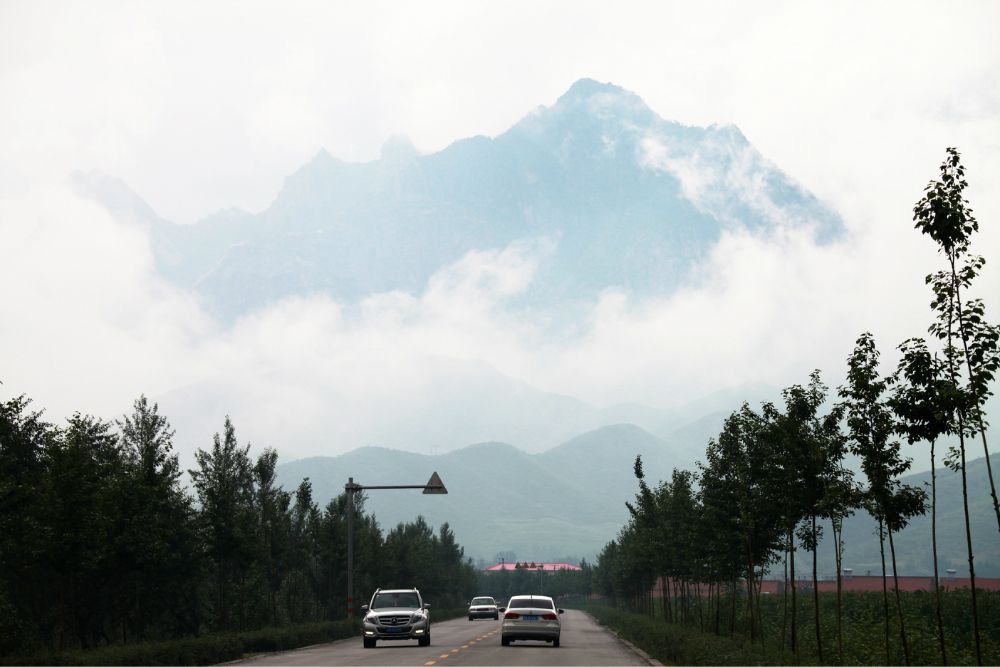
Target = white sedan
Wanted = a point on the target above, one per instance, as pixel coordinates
(532, 617)
(483, 607)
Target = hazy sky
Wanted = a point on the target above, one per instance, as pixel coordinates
(203, 106)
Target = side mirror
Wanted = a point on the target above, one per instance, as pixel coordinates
(501, 608)
(427, 605)
(561, 610)
(364, 607)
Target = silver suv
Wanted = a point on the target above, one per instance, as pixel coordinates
(399, 613)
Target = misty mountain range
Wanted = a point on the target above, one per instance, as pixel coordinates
(626, 198)
(616, 195)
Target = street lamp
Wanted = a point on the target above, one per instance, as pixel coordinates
(433, 485)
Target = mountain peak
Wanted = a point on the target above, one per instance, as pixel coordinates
(603, 100)
(584, 88)
(398, 148)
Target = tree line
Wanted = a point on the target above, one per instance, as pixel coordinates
(775, 478)
(101, 542)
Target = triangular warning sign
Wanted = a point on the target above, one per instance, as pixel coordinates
(434, 485)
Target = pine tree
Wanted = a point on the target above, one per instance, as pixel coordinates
(224, 484)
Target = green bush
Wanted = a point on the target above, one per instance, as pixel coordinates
(210, 649)
(207, 650)
(671, 643)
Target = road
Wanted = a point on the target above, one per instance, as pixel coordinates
(461, 642)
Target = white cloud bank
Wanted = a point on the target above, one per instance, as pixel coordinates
(311, 376)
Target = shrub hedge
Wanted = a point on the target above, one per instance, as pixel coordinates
(209, 649)
(681, 645)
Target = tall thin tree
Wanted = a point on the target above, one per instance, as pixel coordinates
(943, 214)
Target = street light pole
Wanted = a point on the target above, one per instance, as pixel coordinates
(433, 486)
(349, 488)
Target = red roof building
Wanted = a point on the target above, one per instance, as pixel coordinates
(531, 565)
(863, 583)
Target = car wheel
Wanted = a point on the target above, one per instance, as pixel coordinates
(504, 641)
(555, 643)
(424, 641)
(369, 643)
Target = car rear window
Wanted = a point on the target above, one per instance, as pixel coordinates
(482, 601)
(530, 603)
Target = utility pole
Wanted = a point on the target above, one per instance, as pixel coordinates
(433, 486)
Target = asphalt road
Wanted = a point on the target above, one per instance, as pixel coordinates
(463, 642)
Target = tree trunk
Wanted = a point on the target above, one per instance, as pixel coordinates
(760, 618)
(701, 612)
(937, 583)
(665, 598)
(838, 556)
(749, 608)
(899, 602)
(784, 603)
(885, 591)
(968, 543)
(953, 375)
(795, 609)
(819, 641)
(718, 607)
(732, 607)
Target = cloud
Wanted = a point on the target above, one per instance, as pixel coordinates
(313, 376)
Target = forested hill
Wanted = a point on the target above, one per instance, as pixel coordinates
(564, 502)
(570, 500)
(913, 553)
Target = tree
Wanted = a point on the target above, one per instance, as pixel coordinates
(82, 511)
(157, 526)
(25, 439)
(943, 213)
(224, 484)
(923, 401)
(739, 500)
(871, 426)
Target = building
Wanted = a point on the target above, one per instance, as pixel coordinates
(532, 565)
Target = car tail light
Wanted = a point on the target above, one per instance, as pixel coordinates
(512, 614)
(550, 617)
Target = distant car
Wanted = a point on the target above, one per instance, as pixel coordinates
(484, 607)
(396, 614)
(532, 617)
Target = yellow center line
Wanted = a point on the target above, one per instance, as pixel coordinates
(454, 650)
(443, 656)
(429, 663)
(466, 646)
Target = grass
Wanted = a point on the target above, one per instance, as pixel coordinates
(864, 634)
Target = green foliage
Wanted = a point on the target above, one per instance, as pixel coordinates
(106, 558)
(688, 644)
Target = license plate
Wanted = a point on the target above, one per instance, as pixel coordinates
(530, 617)
(394, 629)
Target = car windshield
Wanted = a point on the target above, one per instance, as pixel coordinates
(530, 603)
(388, 600)
(482, 601)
